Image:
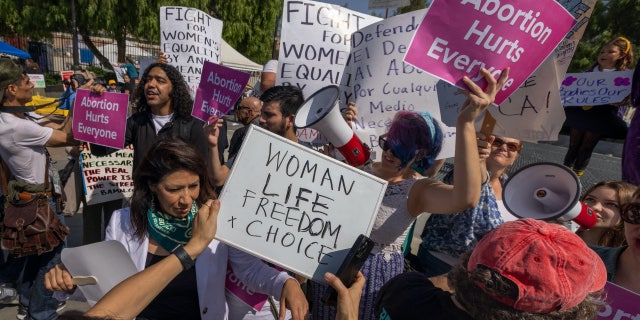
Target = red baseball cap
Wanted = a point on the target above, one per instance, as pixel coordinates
(552, 267)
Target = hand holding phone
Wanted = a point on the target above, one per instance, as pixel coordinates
(356, 257)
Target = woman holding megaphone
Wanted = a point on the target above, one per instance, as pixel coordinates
(411, 144)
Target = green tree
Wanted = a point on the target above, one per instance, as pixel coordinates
(249, 25)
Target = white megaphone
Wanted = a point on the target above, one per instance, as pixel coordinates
(547, 191)
(320, 111)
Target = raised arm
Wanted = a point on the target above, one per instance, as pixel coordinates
(436, 197)
(218, 171)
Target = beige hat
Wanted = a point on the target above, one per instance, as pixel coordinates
(10, 72)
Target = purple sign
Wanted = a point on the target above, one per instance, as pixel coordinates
(253, 299)
(493, 34)
(100, 119)
(218, 91)
(621, 304)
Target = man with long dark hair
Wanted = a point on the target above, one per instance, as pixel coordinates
(162, 107)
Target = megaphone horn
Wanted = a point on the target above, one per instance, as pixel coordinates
(320, 111)
(547, 191)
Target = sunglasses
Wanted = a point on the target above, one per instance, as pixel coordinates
(631, 213)
(382, 142)
(511, 146)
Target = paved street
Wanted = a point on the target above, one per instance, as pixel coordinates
(605, 164)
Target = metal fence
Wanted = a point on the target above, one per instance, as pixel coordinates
(56, 54)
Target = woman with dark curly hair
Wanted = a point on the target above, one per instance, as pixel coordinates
(171, 189)
(162, 108)
(525, 269)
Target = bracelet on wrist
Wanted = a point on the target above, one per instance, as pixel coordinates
(183, 256)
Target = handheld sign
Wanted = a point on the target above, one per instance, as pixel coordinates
(107, 261)
(219, 89)
(37, 80)
(314, 49)
(534, 112)
(100, 119)
(107, 178)
(383, 84)
(595, 88)
(295, 207)
(188, 38)
(620, 304)
(489, 34)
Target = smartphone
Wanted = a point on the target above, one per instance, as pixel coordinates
(356, 257)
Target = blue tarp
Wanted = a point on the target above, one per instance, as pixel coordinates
(11, 50)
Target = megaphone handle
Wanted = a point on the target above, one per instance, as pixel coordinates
(488, 123)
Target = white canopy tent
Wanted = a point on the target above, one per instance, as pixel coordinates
(235, 60)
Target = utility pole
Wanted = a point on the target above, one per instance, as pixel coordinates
(74, 34)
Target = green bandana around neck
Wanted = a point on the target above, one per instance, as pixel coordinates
(170, 231)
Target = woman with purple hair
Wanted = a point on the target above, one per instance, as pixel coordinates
(412, 143)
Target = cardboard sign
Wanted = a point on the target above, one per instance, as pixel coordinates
(100, 119)
(37, 80)
(295, 207)
(219, 89)
(108, 261)
(383, 84)
(621, 304)
(314, 49)
(189, 37)
(376, 4)
(107, 178)
(489, 34)
(595, 88)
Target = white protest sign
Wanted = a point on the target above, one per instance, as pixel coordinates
(383, 84)
(595, 88)
(376, 4)
(107, 178)
(314, 48)
(534, 111)
(108, 261)
(37, 80)
(295, 207)
(188, 37)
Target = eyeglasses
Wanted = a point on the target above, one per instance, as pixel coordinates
(511, 146)
(382, 142)
(631, 213)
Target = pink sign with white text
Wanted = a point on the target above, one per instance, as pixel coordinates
(458, 38)
(218, 91)
(620, 304)
(253, 299)
(100, 119)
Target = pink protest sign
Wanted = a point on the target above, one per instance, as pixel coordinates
(253, 299)
(621, 303)
(219, 89)
(100, 119)
(458, 38)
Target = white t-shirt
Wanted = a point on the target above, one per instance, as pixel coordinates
(160, 121)
(22, 147)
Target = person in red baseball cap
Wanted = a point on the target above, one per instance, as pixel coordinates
(524, 269)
